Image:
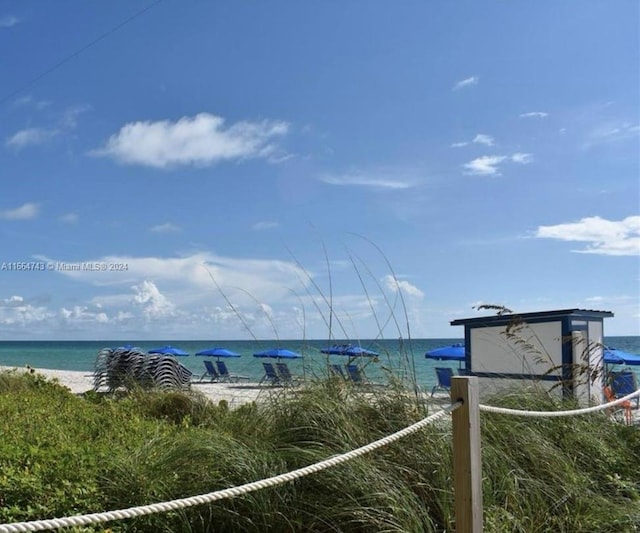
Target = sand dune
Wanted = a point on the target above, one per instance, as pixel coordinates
(234, 393)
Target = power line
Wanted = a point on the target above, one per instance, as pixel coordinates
(75, 54)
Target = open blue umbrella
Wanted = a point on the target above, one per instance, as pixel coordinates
(454, 352)
(350, 350)
(168, 350)
(613, 356)
(278, 353)
(218, 352)
(358, 351)
(337, 349)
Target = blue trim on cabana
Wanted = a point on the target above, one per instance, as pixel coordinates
(467, 348)
(540, 316)
(567, 354)
(566, 318)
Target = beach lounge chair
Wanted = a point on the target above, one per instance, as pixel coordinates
(270, 374)
(184, 375)
(623, 383)
(210, 372)
(225, 375)
(355, 374)
(336, 371)
(625, 407)
(285, 374)
(164, 372)
(444, 375)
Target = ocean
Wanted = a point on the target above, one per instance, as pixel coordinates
(400, 357)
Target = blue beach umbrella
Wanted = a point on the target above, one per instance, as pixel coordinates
(612, 356)
(218, 352)
(168, 350)
(358, 351)
(454, 352)
(350, 350)
(337, 349)
(278, 353)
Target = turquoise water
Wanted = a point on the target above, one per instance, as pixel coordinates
(399, 357)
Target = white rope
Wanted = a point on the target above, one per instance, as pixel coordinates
(84, 520)
(551, 414)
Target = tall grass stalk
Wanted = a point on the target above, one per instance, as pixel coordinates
(61, 454)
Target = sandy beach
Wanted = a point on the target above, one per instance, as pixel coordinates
(233, 393)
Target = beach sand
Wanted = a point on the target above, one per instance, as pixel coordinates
(233, 393)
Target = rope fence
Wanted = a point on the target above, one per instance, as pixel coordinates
(240, 490)
(233, 492)
(555, 414)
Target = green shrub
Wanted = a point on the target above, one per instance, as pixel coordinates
(61, 454)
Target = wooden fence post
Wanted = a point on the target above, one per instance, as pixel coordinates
(467, 461)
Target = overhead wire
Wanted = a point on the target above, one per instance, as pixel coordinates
(75, 54)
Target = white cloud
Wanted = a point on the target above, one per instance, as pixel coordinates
(30, 136)
(395, 285)
(200, 140)
(66, 122)
(522, 158)
(80, 315)
(367, 181)
(182, 297)
(265, 225)
(605, 237)
(8, 21)
(12, 301)
(188, 276)
(167, 227)
(197, 295)
(467, 82)
(480, 138)
(483, 138)
(611, 132)
(69, 218)
(31, 102)
(534, 114)
(69, 118)
(24, 212)
(486, 165)
(16, 312)
(153, 303)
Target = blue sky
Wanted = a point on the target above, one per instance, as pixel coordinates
(275, 168)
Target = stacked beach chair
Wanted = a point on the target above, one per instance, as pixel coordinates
(130, 367)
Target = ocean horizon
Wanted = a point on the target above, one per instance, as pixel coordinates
(400, 356)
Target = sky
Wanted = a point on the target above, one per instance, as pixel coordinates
(297, 169)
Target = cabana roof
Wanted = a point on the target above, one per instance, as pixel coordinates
(538, 316)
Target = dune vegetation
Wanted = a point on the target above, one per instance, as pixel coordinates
(62, 454)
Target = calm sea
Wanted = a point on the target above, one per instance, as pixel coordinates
(400, 357)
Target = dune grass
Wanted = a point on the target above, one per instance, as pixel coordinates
(62, 454)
